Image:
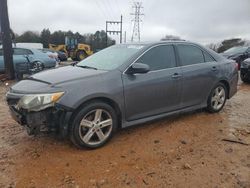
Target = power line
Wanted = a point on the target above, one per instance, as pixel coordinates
(119, 9)
(137, 7)
(100, 8)
(106, 8)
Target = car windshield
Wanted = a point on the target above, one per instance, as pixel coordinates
(236, 50)
(110, 58)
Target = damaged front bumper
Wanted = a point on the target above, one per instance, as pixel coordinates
(56, 118)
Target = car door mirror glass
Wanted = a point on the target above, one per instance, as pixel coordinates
(138, 68)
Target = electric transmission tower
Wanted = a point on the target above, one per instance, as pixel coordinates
(137, 7)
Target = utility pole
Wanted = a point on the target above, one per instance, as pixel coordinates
(114, 32)
(137, 7)
(125, 37)
(5, 35)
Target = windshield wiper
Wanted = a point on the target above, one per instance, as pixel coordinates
(86, 67)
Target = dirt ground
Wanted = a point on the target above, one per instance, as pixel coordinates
(182, 151)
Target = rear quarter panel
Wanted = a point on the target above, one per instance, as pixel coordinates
(229, 73)
(44, 58)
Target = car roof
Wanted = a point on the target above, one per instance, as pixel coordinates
(147, 45)
(152, 43)
(155, 42)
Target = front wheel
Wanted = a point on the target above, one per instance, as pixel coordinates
(36, 67)
(217, 98)
(93, 125)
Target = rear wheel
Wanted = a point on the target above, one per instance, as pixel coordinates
(217, 98)
(93, 125)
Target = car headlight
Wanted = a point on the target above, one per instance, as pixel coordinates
(38, 102)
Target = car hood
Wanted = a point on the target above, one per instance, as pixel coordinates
(228, 55)
(65, 74)
(54, 80)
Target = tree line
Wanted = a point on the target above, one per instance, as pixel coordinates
(227, 44)
(217, 47)
(96, 40)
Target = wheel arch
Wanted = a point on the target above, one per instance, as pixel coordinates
(226, 83)
(106, 100)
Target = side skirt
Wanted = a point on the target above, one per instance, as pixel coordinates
(160, 116)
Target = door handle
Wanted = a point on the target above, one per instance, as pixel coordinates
(214, 68)
(176, 76)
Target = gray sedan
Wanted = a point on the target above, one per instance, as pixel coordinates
(121, 86)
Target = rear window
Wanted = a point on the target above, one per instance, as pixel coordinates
(208, 57)
(190, 55)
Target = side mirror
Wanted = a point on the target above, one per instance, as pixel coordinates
(139, 68)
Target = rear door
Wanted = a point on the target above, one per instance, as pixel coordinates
(199, 72)
(157, 91)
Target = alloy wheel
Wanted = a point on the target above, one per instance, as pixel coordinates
(95, 127)
(218, 98)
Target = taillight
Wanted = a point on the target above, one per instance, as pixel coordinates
(237, 66)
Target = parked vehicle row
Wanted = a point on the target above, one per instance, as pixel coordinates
(121, 86)
(23, 57)
(28, 61)
(238, 53)
(58, 55)
(241, 55)
(245, 71)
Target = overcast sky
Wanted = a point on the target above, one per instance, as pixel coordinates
(203, 21)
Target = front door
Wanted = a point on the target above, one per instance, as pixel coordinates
(157, 91)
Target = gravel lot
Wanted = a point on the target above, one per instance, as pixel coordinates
(181, 151)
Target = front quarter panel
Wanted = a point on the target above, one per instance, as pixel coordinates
(107, 85)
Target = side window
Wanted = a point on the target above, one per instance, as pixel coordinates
(27, 52)
(1, 52)
(190, 55)
(208, 57)
(19, 51)
(160, 57)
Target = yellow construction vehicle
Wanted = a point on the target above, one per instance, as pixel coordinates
(73, 49)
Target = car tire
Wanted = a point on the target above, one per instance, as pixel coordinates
(19, 76)
(93, 126)
(80, 55)
(217, 98)
(244, 77)
(37, 66)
